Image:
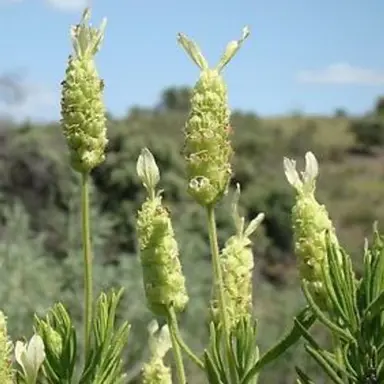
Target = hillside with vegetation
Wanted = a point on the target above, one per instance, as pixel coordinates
(40, 242)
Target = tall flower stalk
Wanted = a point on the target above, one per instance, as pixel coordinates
(207, 147)
(84, 127)
(164, 282)
(310, 222)
(350, 308)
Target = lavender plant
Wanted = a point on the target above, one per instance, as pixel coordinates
(350, 308)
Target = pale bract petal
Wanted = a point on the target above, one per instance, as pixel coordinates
(36, 352)
(232, 48)
(21, 357)
(164, 341)
(159, 340)
(19, 350)
(153, 327)
(311, 168)
(238, 220)
(291, 173)
(193, 51)
(254, 224)
(147, 169)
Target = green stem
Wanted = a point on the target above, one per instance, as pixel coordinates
(218, 284)
(88, 281)
(217, 271)
(174, 330)
(188, 350)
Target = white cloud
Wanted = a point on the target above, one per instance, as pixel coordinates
(342, 73)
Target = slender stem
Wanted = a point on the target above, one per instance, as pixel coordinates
(217, 271)
(88, 281)
(174, 329)
(219, 290)
(187, 350)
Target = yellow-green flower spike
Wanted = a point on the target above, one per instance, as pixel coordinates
(310, 222)
(155, 371)
(238, 264)
(6, 347)
(164, 282)
(207, 147)
(53, 338)
(83, 112)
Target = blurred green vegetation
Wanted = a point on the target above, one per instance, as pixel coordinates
(40, 248)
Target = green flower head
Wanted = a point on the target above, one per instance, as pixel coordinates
(207, 148)
(83, 112)
(164, 282)
(310, 223)
(237, 262)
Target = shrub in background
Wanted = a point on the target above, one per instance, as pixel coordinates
(368, 132)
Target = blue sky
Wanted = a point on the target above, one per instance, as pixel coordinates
(312, 56)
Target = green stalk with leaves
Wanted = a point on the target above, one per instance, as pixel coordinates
(51, 354)
(351, 309)
(208, 150)
(164, 282)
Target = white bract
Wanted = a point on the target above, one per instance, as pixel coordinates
(30, 356)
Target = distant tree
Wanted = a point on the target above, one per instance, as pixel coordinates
(12, 89)
(368, 132)
(303, 138)
(109, 116)
(340, 112)
(379, 108)
(175, 99)
(137, 112)
(297, 113)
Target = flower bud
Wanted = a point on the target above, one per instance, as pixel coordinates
(83, 112)
(207, 148)
(147, 170)
(164, 282)
(53, 338)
